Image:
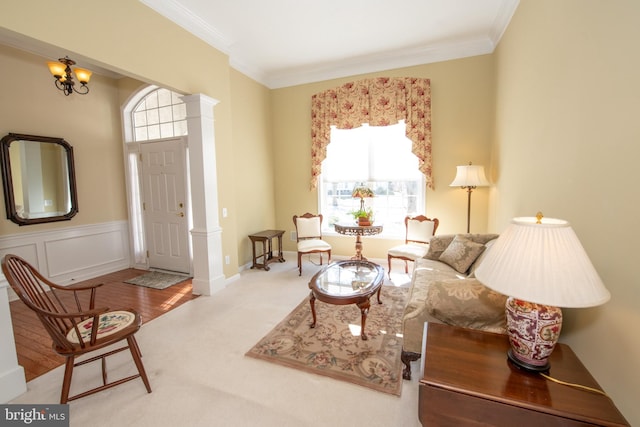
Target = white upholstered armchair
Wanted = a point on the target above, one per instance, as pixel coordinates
(420, 229)
(309, 237)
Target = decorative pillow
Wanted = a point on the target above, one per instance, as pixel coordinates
(437, 245)
(461, 253)
(480, 238)
(478, 261)
(467, 303)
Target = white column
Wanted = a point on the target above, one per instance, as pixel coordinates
(12, 380)
(206, 235)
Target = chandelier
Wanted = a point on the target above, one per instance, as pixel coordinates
(64, 77)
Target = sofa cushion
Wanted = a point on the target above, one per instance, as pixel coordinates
(424, 273)
(415, 313)
(461, 253)
(467, 303)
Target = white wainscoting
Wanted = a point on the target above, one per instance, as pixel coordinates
(73, 254)
(65, 256)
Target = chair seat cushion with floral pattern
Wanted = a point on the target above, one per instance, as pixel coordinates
(110, 323)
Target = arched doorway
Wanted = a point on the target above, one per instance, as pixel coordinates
(156, 156)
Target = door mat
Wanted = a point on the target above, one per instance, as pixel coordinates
(334, 347)
(157, 280)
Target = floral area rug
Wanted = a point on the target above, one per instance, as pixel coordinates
(334, 347)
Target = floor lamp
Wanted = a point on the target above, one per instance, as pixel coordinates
(469, 177)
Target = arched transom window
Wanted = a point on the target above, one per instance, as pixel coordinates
(160, 114)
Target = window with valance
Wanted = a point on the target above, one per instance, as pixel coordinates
(379, 102)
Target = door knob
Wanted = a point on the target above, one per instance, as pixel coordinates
(181, 214)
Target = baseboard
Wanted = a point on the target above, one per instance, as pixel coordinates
(12, 384)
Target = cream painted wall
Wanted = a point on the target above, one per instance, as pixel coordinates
(462, 117)
(91, 124)
(253, 162)
(106, 28)
(567, 143)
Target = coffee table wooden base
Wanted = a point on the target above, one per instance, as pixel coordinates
(347, 282)
(363, 304)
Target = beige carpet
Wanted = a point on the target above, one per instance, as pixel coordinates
(334, 348)
(194, 356)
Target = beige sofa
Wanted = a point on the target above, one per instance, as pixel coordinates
(444, 290)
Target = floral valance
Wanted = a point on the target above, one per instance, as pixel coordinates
(380, 102)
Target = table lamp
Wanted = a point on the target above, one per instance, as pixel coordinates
(541, 266)
(469, 177)
(362, 191)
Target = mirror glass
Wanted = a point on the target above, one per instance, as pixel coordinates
(39, 179)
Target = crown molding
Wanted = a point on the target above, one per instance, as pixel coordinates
(175, 12)
(502, 20)
(191, 22)
(378, 62)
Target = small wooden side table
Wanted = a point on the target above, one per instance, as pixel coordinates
(266, 237)
(468, 381)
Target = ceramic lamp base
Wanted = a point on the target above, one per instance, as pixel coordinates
(533, 331)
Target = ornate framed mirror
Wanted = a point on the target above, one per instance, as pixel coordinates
(39, 179)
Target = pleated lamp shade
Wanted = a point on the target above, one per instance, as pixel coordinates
(542, 263)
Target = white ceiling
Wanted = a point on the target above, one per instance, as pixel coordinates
(282, 43)
(287, 42)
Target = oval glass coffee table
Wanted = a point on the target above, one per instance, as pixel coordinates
(347, 282)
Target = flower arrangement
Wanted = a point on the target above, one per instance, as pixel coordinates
(363, 216)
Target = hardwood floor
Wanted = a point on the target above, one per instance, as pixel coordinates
(33, 344)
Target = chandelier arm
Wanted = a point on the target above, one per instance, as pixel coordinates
(84, 89)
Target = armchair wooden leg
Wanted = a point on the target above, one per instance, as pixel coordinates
(137, 358)
(389, 261)
(299, 264)
(66, 382)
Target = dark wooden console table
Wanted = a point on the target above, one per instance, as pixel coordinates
(266, 237)
(468, 381)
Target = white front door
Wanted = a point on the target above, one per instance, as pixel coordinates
(165, 204)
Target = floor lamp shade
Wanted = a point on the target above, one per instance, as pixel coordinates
(540, 264)
(469, 177)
